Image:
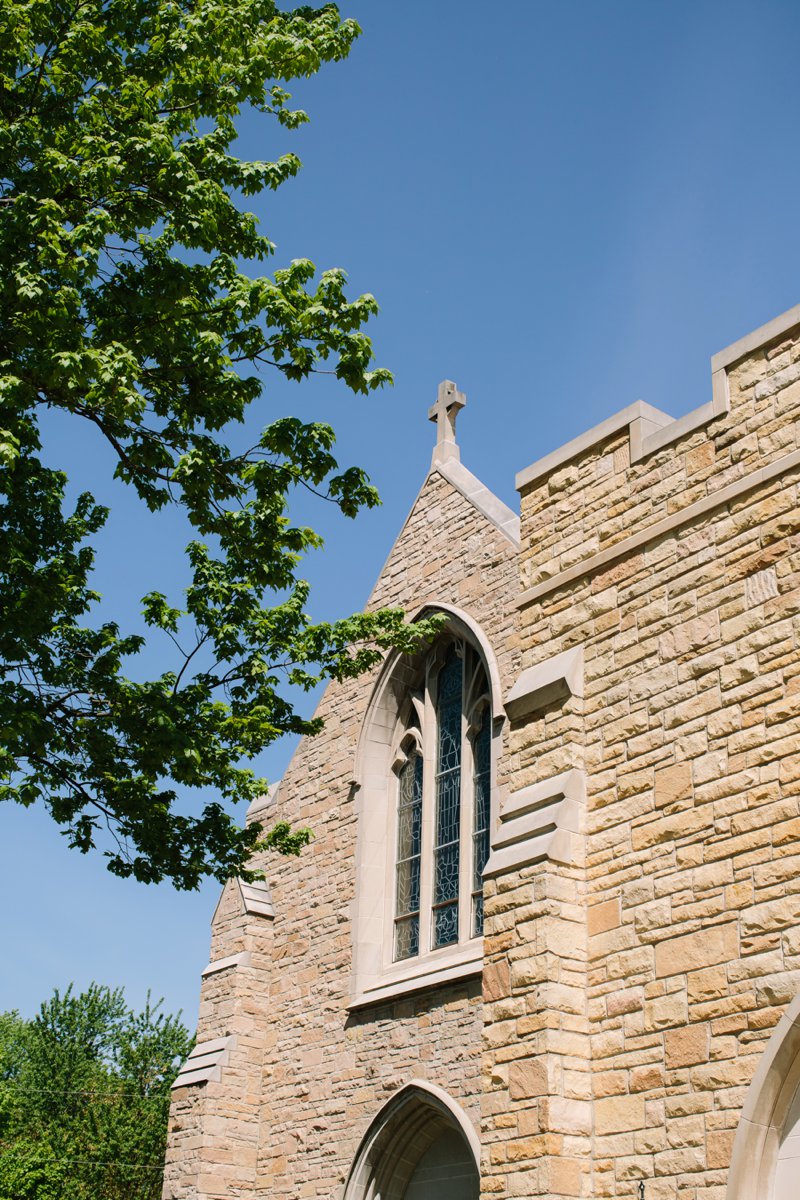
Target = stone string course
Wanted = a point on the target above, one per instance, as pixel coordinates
(626, 998)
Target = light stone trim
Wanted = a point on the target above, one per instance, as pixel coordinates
(718, 405)
(259, 809)
(766, 1107)
(543, 821)
(256, 898)
(649, 428)
(205, 1063)
(759, 337)
(554, 679)
(222, 964)
(441, 966)
(773, 470)
(640, 418)
(471, 488)
(473, 632)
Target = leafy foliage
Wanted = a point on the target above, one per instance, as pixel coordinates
(123, 302)
(84, 1098)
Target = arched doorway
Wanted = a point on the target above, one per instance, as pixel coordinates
(786, 1175)
(421, 1146)
(766, 1152)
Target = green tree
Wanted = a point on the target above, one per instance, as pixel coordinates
(84, 1098)
(125, 303)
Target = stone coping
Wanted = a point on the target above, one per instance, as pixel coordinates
(649, 427)
(205, 1062)
(222, 964)
(554, 679)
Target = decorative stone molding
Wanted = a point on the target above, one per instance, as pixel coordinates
(205, 1063)
(261, 808)
(642, 420)
(471, 488)
(554, 679)
(539, 822)
(439, 967)
(254, 898)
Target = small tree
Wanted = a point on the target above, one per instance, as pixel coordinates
(84, 1098)
(124, 303)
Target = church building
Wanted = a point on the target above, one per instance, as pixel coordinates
(546, 939)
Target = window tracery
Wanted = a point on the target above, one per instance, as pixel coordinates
(443, 786)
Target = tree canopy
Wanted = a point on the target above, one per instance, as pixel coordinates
(84, 1098)
(132, 297)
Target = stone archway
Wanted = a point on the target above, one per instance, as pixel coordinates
(421, 1146)
(765, 1151)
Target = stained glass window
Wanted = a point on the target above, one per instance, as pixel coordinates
(409, 845)
(482, 750)
(442, 832)
(447, 845)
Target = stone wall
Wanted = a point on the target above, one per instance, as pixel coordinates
(635, 969)
(326, 1071)
(691, 717)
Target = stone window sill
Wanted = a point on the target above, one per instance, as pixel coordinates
(441, 967)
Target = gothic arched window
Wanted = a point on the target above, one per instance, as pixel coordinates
(443, 782)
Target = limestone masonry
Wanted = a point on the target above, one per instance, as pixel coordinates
(628, 1024)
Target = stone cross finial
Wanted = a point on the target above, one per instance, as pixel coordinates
(444, 413)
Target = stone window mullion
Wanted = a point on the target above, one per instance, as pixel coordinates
(429, 734)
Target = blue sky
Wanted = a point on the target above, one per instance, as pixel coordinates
(562, 207)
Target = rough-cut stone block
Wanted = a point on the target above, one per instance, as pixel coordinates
(619, 1114)
(684, 1047)
(691, 951)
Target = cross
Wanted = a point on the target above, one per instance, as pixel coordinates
(444, 413)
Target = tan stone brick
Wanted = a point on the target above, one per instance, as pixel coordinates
(673, 785)
(605, 916)
(618, 1114)
(646, 1079)
(684, 1047)
(773, 915)
(692, 951)
(669, 828)
(707, 984)
(624, 1001)
(566, 1175)
(719, 1146)
(527, 1078)
(496, 980)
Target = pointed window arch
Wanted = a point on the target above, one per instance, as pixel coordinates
(424, 772)
(421, 1146)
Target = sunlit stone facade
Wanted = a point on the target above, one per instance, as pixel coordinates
(628, 1023)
